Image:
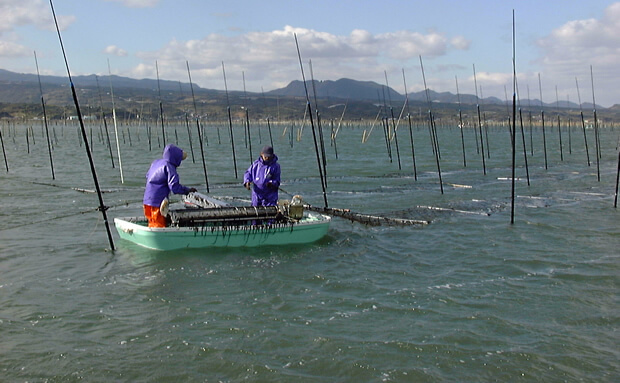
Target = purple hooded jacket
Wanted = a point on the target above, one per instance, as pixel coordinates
(162, 178)
(265, 175)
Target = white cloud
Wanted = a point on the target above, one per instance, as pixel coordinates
(460, 42)
(497, 84)
(114, 50)
(571, 49)
(495, 79)
(17, 13)
(273, 55)
(22, 13)
(575, 41)
(9, 49)
(403, 45)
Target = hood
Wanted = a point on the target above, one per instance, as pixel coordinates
(270, 161)
(173, 154)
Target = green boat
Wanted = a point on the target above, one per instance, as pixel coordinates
(210, 223)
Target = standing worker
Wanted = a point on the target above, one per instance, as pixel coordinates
(263, 178)
(161, 179)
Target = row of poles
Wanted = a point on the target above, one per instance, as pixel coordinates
(390, 125)
(127, 135)
(390, 132)
(165, 133)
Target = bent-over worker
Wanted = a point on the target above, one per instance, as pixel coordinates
(161, 179)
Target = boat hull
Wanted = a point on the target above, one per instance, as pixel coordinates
(309, 229)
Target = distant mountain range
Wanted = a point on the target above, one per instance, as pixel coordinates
(342, 89)
(371, 91)
(7, 77)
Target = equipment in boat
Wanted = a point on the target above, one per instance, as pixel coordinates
(205, 209)
(228, 214)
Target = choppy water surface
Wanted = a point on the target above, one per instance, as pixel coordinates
(469, 297)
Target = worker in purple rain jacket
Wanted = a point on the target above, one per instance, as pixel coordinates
(161, 179)
(263, 178)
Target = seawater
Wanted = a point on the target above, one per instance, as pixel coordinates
(468, 298)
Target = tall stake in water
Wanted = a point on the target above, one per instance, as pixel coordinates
(385, 123)
(232, 138)
(486, 128)
(335, 132)
(527, 171)
(557, 103)
(189, 132)
(6, 163)
(161, 106)
(570, 141)
(28, 140)
(583, 122)
(596, 137)
(529, 113)
(542, 119)
(105, 124)
(319, 125)
(102, 207)
(617, 181)
(394, 128)
(247, 118)
(415, 171)
(118, 147)
(461, 127)
(388, 143)
(432, 126)
(309, 108)
(507, 114)
(431, 121)
(484, 166)
(514, 120)
(202, 151)
(47, 133)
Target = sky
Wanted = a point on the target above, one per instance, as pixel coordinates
(560, 45)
